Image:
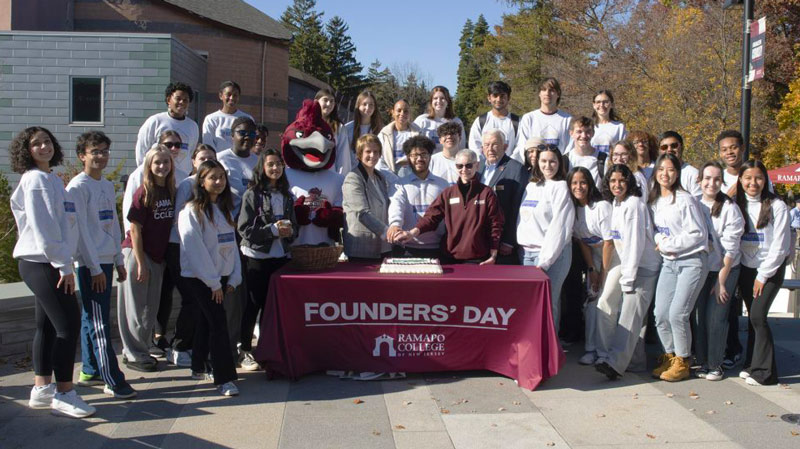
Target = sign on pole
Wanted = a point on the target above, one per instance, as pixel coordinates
(758, 31)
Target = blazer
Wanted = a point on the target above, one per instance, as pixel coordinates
(509, 182)
(366, 208)
(386, 136)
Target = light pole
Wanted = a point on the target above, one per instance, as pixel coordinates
(745, 109)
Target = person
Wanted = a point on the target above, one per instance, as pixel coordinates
(725, 227)
(151, 216)
(508, 179)
(646, 151)
(592, 231)
(330, 110)
(178, 352)
(765, 247)
(624, 152)
(267, 226)
(547, 122)
(682, 240)
(498, 117)
(544, 225)
(471, 214)
(621, 318)
(48, 232)
(583, 154)
(531, 153)
(99, 254)
(731, 153)
(794, 221)
(217, 125)
(608, 127)
(672, 143)
(443, 163)
(260, 144)
(413, 197)
(366, 121)
(239, 161)
(440, 111)
(392, 137)
(178, 97)
(212, 270)
(365, 200)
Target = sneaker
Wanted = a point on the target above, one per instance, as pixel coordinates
(202, 375)
(730, 363)
(157, 352)
(678, 370)
(605, 368)
(121, 391)
(182, 359)
(86, 380)
(228, 389)
(744, 374)
(664, 362)
(588, 359)
(248, 362)
(145, 367)
(715, 374)
(701, 372)
(752, 382)
(41, 397)
(71, 405)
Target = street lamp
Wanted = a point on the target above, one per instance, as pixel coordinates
(745, 110)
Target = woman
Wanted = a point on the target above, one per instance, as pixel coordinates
(440, 111)
(392, 137)
(267, 225)
(531, 151)
(646, 151)
(608, 127)
(48, 233)
(682, 240)
(623, 152)
(592, 231)
(544, 225)
(212, 270)
(330, 110)
(367, 121)
(365, 200)
(765, 247)
(725, 227)
(621, 318)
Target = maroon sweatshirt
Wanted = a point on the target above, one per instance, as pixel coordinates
(474, 223)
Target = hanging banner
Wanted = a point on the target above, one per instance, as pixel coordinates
(758, 30)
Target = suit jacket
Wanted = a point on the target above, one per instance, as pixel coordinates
(366, 208)
(508, 182)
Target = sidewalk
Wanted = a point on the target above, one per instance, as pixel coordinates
(579, 409)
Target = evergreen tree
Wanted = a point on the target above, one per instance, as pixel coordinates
(309, 48)
(465, 63)
(476, 70)
(344, 70)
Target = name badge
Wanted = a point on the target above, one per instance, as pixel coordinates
(69, 206)
(455, 200)
(499, 188)
(480, 202)
(615, 235)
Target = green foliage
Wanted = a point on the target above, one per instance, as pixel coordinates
(403, 82)
(308, 50)
(8, 235)
(476, 69)
(343, 68)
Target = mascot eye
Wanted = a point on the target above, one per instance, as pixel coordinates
(330, 137)
(298, 134)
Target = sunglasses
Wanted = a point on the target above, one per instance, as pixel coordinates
(673, 146)
(172, 145)
(468, 166)
(244, 133)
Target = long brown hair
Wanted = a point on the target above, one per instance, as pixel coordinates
(202, 200)
(153, 193)
(333, 118)
(719, 198)
(652, 145)
(375, 121)
(448, 111)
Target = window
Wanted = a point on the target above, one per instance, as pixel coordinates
(86, 100)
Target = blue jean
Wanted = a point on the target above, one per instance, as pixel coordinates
(677, 290)
(97, 353)
(711, 320)
(557, 273)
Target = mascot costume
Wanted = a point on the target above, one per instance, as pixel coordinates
(309, 150)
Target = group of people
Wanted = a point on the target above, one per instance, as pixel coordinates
(572, 196)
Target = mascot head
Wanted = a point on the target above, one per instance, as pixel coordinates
(308, 143)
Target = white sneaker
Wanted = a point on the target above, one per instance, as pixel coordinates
(715, 374)
(588, 359)
(71, 405)
(181, 359)
(248, 362)
(744, 374)
(228, 389)
(752, 382)
(41, 397)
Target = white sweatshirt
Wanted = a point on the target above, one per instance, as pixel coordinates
(183, 195)
(725, 233)
(593, 227)
(325, 185)
(588, 162)
(429, 127)
(504, 124)
(689, 181)
(552, 128)
(157, 124)
(47, 222)
(208, 250)
(217, 129)
(642, 181)
(632, 232)
(96, 201)
(409, 203)
(545, 221)
(767, 248)
(444, 168)
(605, 135)
(240, 172)
(680, 226)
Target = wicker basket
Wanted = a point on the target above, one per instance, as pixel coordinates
(315, 258)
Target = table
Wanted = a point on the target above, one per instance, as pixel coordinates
(496, 318)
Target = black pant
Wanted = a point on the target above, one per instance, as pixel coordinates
(184, 325)
(573, 295)
(733, 345)
(258, 273)
(211, 333)
(167, 287)
(760, 358)
(58, 321)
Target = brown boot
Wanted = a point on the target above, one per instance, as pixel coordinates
(664, 362)
(679, 370)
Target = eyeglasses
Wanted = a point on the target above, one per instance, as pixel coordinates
(467, 166)
(172, 145)
(419, 155)
(639, 142)
(673, 146)
(97, 153)
(245, 133)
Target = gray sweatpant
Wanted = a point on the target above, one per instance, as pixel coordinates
(137, 306)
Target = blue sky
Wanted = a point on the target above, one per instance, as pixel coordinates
(420, 32)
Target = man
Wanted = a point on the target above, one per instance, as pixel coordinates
(217, 125)
(178, 96)
(547, 122)
(583, 154)
(239, 161)
(672, 143)
(443, 163)
(414, 194)
(508, 179)
(731, 153)
(497, 118)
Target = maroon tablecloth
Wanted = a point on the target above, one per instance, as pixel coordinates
(472, 317)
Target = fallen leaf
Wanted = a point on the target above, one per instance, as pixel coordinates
(711, 412)
(501, 383)
(407, 402)
(601, 415)
(670, 395)
(728, 402)
(771, 415)
(444, 411)
(400, 427)
(794, 434)
(692, 393)
(517, 403)
(652, 437)
(551, 443)
(694, 397)
(691, 409)
(501, 409)
(357, 401)
(376, 432)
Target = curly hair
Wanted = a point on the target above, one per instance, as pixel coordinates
(20, 154)
(176, 86)
(91, 139)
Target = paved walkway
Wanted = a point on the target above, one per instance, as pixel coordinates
(578, 409)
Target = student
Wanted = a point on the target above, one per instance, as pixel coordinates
(392, 138)
(731, 153)
(443, 163)
(212, 269)
(48, 232)
(765, 247)
(547, 122)
(440, 111)
(581, 131)
(532, 146)
(608, 127)
(99, 253)
(178, 96)
(544, 226)
(262, 133)
(499, 117)
(330, 110)
(151, 216)
(646, 151)
(217, 125)
(267, 225)
(366, 121)
(682, 240)
(726, 226)
(621, 318)
(239, 161)
(623, 152)
(672, 143)
(592, 231)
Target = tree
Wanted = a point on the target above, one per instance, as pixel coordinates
(784, 147)
(476, 70)
(388, 88)
(308, 50)
(343, 68)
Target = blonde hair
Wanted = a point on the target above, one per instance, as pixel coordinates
(365, 140)
(152, 192)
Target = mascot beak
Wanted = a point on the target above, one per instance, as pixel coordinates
(314, 150)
